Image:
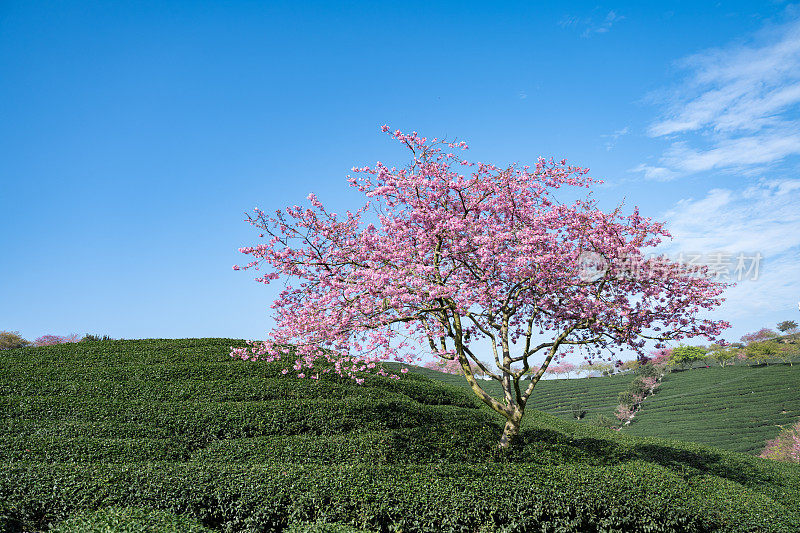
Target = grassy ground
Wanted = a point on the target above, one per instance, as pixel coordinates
(124, 428)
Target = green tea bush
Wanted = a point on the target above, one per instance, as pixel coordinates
(179, 427)
(128, 520)
(322, 527)
(634, 496)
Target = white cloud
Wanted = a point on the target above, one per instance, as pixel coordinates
(734, 152)
(736, 107)
(654, 173)
(614, 137)
(762, 218)
(592, 24)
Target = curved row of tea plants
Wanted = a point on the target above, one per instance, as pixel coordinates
(736, 408)
(176, 426)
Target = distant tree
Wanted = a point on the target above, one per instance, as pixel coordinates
(50, 340)
(661, 356)
(686, 356)
(723, 355)
(563, 368)
(787, 326)
(443, 365)
(787, 353)
(764, 351)
(12, 339)
(760, 335)
(597, 367)
(631, 365)
(94, 338)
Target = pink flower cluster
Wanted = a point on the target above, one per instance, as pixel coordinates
(760, 335)
(50, 340)
(464, 251)
(448, 366)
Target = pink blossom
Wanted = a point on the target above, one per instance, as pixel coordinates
(463, 252)
(51, 340)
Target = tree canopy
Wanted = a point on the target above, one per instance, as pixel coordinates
(462, 253)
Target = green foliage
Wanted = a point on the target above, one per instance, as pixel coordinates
(638, 387)
(128, 520)
(687, 356)
(578, 411)
(649, 370)
(604, 421)
(736, 408)
(95, 338)
(764, 352)
(179, 427)
(10, 340)
(787, 326)
(723, 355)
(322, 527)
(628, 399)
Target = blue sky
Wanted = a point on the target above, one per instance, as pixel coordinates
(134, 136)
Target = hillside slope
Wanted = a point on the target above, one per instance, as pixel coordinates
(736, 408)
(555, 396)
(178, 426)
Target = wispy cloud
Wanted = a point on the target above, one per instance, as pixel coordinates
(763, 219)
(591, 24)
(736, 108)
(613, 137)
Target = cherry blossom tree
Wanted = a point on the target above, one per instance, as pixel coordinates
(563, 368)
(471, 260)
(760, 335)
(51, 340)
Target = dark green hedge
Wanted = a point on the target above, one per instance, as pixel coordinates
(457, 443)
(54, 449)
(202, 422)
(433, 498)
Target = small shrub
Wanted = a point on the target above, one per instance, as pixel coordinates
(603, 421)
(578, 411)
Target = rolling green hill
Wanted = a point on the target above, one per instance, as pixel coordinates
(116, 430)
(556, 396)
(736, 408)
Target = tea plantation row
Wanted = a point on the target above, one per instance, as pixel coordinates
(176, 431)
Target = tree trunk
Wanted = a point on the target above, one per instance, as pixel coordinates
(509, 432)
